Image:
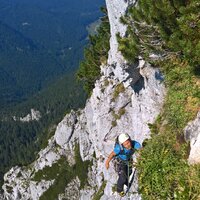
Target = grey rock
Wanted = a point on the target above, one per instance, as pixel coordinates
(96, 126)
(192, 134)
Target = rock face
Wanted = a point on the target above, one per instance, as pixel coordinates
(18, 185)
(125, 99)
(34, 115)
(192, 134)
(72, 191)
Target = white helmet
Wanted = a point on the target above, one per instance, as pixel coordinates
(123, 137)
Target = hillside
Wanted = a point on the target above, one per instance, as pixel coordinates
(39, 42)
(24, 66)
(148, 87)
(21, 140)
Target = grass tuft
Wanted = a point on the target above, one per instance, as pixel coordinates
(164, 172)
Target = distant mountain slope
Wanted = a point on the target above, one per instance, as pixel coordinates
(39, 41)
(41, 44)
(24, 66)
(20, 141)
(57, 25)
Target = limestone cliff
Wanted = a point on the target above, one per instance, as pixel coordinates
(192, 134)
(125, 99)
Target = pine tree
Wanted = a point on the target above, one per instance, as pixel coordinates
(95, 54)
(166, 27)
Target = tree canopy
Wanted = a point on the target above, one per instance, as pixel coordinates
(95, 54)
(166, 27)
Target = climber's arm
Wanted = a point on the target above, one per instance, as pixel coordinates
(110, 157)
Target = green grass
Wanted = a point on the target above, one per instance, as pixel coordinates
(114, 123)
(183, 98)
(62, 173)
(164, 172)
(118, 89)
(100, 192)
(117, 116)
(81, 167)
(50, 173)
(106, 82)
(121, 112)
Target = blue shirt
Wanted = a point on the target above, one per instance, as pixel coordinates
(125, 154)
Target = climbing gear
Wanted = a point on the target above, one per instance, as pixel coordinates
(123, 163)
(124, 170)
(122, 194)
(130, 182)
(123, 137)
(117, 162)
(128, 178)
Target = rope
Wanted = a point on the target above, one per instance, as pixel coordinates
(128, 180)
(127, 192)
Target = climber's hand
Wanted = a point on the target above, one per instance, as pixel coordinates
(107, 164)
(110, 157)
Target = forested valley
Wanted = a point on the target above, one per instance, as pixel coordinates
(41, 45)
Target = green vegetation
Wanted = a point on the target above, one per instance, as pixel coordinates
(41, 44)
(115, 116)
(119, 114)
(114, 188)
(170, 29)
(20, 142)
(38, 44)
(95, 54)
(106, 83)
(50, 173)
(163, 27)
(25, 67)
(100, 192)
(118, 89)
(63, 174)
(9, 189)
(81, 167)
(164, 171)
(114, 123)
(183, 97)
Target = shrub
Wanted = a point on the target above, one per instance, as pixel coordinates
(163, 169)
(170, 29)
(100, 192)
(121, 112)
(118, 89)
(114, 123)
(62, 174)
(81, 167)
(95, 54)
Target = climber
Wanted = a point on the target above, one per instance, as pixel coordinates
(123, 151)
